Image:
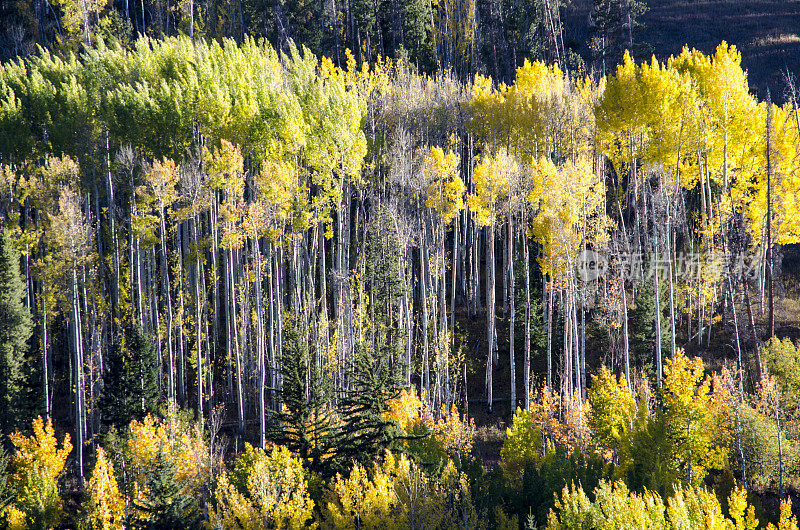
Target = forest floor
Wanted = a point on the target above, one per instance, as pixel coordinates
(767, 32)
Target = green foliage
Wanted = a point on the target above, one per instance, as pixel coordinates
(167, 504)
(542, 482)
(781, 357)
(15, 331)
(426, 450)
(760, 448)
(365, 432)
(305, 424)
(131, 382)
(385, 276)
(648, 463)
(642, 321)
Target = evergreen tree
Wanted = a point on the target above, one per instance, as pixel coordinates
(304, 423)
(384, 268)
(643, 328)
(365, 432)
(613, 26)
(166, 504)
(416, 31)
(15, 331)
(131, 382)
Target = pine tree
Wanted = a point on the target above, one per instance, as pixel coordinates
(15, 330)
(131, 382)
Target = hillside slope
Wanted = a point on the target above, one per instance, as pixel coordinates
(767, 32)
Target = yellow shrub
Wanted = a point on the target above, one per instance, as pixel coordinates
(105, 506)
(36, 466)
(276, 493)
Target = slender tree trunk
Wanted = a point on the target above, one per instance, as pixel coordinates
(262, 369)
(550, 337)
(770, 257)
(511, 313)
(527, 362)
(78, 367)
(45, 357)
(756, 349)
(625, 347)
(659, 369)
(198, 324)
(490, 304)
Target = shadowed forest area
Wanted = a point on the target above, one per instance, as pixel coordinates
(398, 264)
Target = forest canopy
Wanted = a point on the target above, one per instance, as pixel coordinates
(243, 284)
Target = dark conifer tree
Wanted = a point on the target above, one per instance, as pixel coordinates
(304, 423)
(15, 331)
(642, 320)
(365, 433)
(131, 380)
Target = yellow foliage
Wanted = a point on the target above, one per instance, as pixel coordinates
(563, 422)
(276, 493)
(453, 430)
(15, 519)
(446, 189)
(612, 409)
(405, 409)
(183, 444)
(691, 413)
(105, 505)
(363, 502)
(743, 514)
(523, 445)
(787, 521)
(493, 177)
(160, 182)
(36, 467)
(397, 494)
(569, 203)
(225, 167)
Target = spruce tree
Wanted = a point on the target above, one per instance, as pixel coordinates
(643, 328)
(15, 331)
(130, 389)
(365, 433)
(304, 423)
(166, 504)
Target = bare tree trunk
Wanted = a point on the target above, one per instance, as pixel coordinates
(756, 349)
(198, 324)
(45, 358)
(259, 339)
(511, 312)
(78, 367)
(770, 257)
(550, 338)
(527, 362)
(625, 347)
(659, 369)
(490, 304)
(423, 286)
